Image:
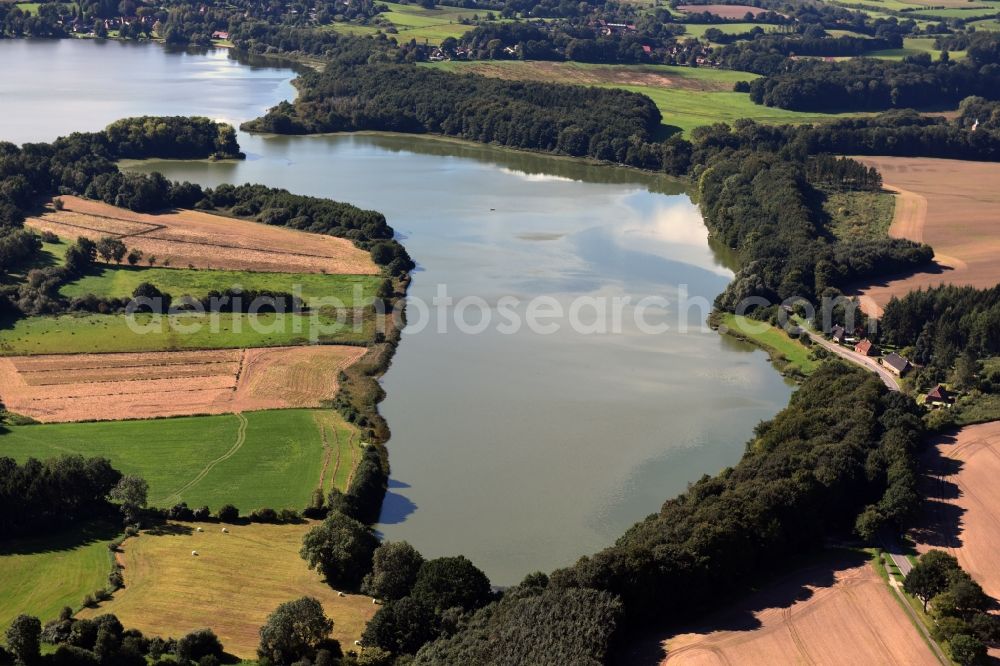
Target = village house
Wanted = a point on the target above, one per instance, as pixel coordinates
(866, 348)
(939, 396)
(897, 364)
(838, 334)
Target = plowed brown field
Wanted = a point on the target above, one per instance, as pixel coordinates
(950, 205)
(964, 507)
(202, 240)
(846, 615)
(134, 386)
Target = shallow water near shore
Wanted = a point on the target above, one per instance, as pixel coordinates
(522, 450)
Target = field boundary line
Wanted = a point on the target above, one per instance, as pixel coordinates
(241, 436)
(354, 463)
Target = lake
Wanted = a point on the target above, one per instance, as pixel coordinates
(520, 446)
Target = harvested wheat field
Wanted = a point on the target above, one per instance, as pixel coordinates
(723, 11)
(963, 509)
(839, 614)
(194, 239)
(231, 586)
(105, 387)
(950, 205)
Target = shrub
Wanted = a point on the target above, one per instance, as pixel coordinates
(228, 514)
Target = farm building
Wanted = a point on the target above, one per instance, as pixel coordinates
(896, 364)
(939, 396)
(867, 348)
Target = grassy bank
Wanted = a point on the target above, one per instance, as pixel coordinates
(790, 357)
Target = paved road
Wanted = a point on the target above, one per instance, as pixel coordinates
(895, 553)
(865, 362)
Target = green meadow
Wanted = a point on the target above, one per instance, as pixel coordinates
(430, 26)
(42, 575)
(260, 459)
(786, 354)
(95, 333)
(117, 282)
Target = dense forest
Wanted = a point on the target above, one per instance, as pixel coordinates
(37, 497)
(765, 208)
(944, 324)
(573, 120)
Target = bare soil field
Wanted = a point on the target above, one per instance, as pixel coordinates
(839, 612)
(951, 205)
(231, 586)
(963, 506)
(107, 387)
(194, 239)
(725, 11)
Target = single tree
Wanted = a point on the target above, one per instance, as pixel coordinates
(450, 582)
(930, 576)
(294, 631)
(134, 256)
(199, 644)
(341, 549)
(110, 248)
(402, 626)
(24, 639)
(967, 650)
(395, 566)
(131, 493)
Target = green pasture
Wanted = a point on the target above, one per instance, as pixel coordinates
(94, 333)
(273, 460)
(41, 575)
(117, 282)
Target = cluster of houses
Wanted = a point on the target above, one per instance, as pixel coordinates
(146, 23)
(939, 396)
(606, 29)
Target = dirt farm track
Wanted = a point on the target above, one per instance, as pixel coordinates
(134, 386)
(951, 205)
(194, 239)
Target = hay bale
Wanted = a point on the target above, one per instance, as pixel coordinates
(194, 553)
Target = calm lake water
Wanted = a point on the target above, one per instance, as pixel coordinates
(521, 450)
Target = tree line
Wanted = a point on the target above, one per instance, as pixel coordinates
(40, 496)
(865, 84)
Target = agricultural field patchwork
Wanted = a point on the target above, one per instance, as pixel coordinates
(194, 239)
(101, 387)
(272, 459)
(231, 586)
